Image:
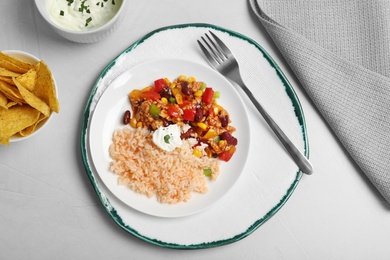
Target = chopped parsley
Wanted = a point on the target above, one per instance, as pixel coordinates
(88, 21)
(84, 7)
(62, 13)
(166, 138)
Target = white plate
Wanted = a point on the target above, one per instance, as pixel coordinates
(108, 116)
(269, 177)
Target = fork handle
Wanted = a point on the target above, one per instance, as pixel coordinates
(302, 162)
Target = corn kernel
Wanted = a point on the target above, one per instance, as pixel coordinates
(191, 79)
(222, 143)
(139, 124)
(197, 152)
(198, 93)
(164, 100)
(133, 122)
(182, 78)
(216, 110)
(203, 126)
(172, 85)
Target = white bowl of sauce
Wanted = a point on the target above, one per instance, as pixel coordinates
(83, 21)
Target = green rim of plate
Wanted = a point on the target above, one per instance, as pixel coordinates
(111, 210)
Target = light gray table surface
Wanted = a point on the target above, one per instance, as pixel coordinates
(49, 210)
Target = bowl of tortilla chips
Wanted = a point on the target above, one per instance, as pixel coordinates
(28, 96)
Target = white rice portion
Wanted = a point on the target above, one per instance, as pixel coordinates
(147, 169)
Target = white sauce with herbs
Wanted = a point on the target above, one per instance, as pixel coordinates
(167, 138)
(82, 15)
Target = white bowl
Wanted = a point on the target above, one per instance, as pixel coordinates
(27, 57)
(90, 36)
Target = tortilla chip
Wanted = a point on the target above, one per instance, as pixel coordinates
(3, 101)
(33, 100)
(45, 88)
(27, 80)
(7, 73)
(11, 103)
(11, 92)
(10, 66)
(16, 119)
(30, 129)
(18, 66)
(7, 79)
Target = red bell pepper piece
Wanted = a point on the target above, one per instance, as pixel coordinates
(185, 104)
(173, 110)
(208, 96)
(189, 114)
(159, 84)
(150, 94)
(227, 155)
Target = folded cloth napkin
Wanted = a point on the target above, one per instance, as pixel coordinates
(340, 53)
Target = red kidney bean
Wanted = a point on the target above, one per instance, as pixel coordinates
(185, 89)
(198, 115)
(165, 122)
(224, 120)
(166, 92)
(126, 117)
(229, 138)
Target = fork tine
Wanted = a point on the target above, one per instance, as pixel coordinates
(208, 55)
(217, 50)
(225, 49)
(212, 49)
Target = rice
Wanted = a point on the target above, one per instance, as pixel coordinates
(171, 176)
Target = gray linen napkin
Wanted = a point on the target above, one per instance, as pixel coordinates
(340, 53)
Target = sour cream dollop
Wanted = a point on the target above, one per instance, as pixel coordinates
(82, 15)
(167, 138)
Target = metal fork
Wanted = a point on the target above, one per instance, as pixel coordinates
(222, 60)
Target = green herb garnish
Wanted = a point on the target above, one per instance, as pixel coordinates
(88, 21)
(62, 13)
(166, 138)
(84, 7)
